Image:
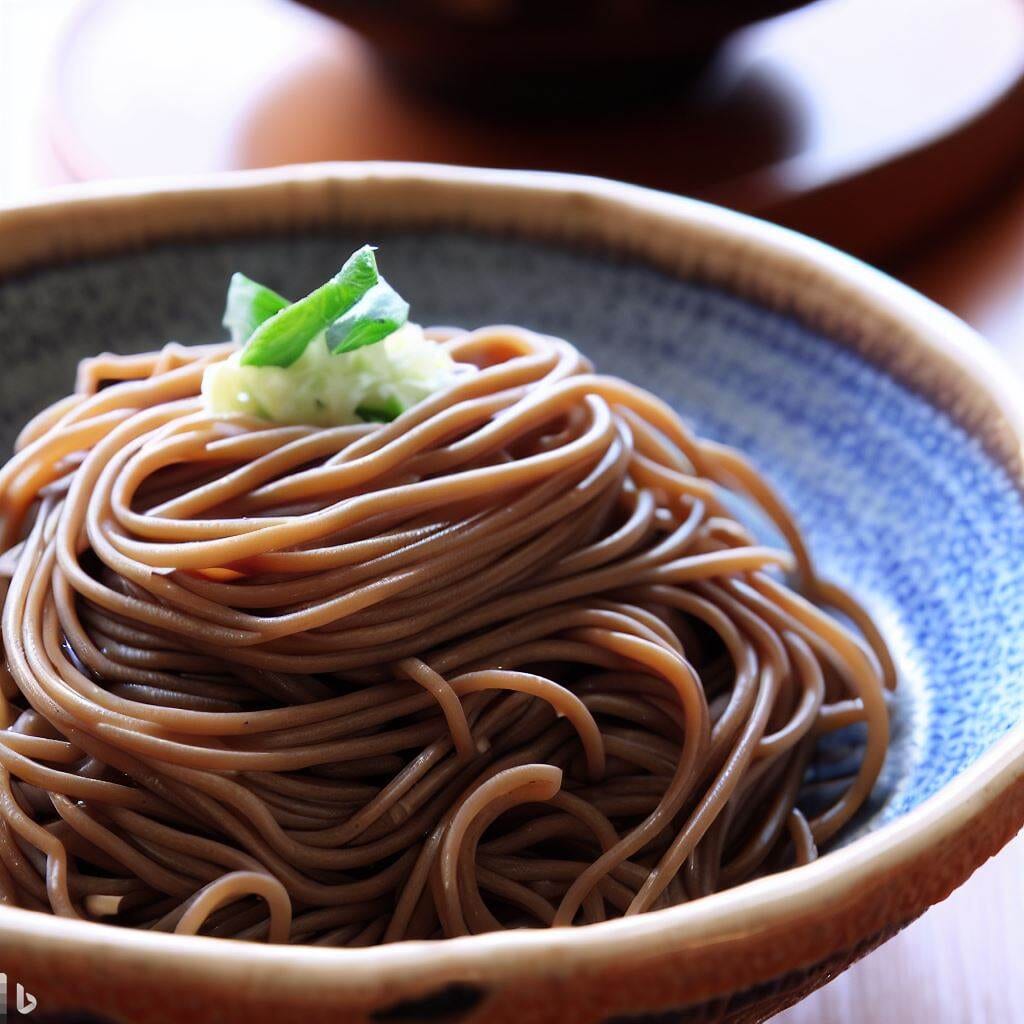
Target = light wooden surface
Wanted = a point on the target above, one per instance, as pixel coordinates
(962, 962)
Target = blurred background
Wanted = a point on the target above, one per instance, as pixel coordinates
(893, 129)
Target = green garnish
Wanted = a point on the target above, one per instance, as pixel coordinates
(346, 353)
(380, 312)
(249, 304)
(281, 339)
(384, 411)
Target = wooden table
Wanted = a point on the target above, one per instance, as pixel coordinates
(959, 964)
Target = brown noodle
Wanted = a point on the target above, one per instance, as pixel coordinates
(508, 661)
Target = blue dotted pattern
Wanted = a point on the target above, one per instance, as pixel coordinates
(898, 502)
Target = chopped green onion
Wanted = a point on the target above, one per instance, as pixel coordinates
(249, 304)
(281, 339)
(385, 411)
(380, 312)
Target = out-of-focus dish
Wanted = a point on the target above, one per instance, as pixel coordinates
(586, 54)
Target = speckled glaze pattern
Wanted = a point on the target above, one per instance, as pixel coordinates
(882, 421)
(898, 502)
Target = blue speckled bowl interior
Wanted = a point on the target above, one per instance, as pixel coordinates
(899, 503)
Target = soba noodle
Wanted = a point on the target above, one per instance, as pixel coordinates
(508, 661)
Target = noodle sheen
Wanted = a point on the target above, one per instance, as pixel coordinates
(508, 661)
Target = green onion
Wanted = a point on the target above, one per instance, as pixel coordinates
(281, 339)
(380, 312)
(249, 304)
(385, 411)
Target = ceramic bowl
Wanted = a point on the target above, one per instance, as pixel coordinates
(887, 424)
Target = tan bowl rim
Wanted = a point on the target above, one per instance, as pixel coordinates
(666, 231)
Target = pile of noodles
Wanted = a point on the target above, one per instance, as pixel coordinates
(505, 662)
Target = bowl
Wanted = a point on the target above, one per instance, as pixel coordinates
(544, 57)
(888, 425)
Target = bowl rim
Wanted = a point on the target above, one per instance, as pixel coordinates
(926, 347)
